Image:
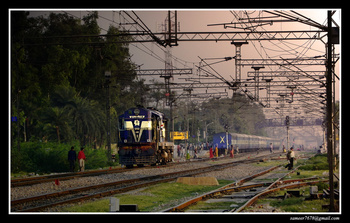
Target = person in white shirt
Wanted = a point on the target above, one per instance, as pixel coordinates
(291, 158)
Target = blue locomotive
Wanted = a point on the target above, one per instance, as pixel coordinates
(245, 143)
(142, 138)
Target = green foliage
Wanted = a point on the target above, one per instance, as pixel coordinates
(58, 91)
(318, 162)
(39, 157)
(239, 113)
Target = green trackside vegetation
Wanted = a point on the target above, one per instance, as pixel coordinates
(50, 157)
(151, 199)
(316, 166)
(317, 162)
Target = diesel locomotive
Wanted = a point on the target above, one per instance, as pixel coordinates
(142, 138)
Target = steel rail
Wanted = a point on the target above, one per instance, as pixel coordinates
(234, 187)
(66, 176)
(221, 190)
(266, 192)
(229, 189)
(155, 179)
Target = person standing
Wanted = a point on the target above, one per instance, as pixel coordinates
(81, 158)
(211, 155)
(188, 156)
(231, 151)
(72, 157)
(271, 148)
(291, 159)
(216, 151)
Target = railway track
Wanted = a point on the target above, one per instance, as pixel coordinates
(64, 176)
(67, 176)
(44, 201)
(219, 192)
(242, 194)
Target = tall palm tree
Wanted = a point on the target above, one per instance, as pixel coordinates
(57, 123)
(88, 118)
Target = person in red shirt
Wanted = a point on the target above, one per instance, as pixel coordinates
(81, 158)
(211, 155)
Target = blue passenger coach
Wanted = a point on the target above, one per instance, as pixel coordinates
(245, 143)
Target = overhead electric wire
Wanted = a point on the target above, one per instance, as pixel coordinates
(306, 45)
(306, 48)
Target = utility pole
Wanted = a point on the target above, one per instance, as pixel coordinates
(287, 124)
(257, 68)
(329, 110)
(108, 115)
(226, 130)
(238, 45)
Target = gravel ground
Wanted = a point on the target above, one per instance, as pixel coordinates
(235, 173)
(232, 173)
(262, 208)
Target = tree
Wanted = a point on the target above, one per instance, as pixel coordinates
(89, 119)
(56, 122)
(238, 113)
(57, 82)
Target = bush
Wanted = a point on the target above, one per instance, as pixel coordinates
(95, 158)
(318, 162)
(51, 157)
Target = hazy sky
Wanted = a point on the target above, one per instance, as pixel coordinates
(151, 55)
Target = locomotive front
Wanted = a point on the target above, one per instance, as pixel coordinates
(142, 137)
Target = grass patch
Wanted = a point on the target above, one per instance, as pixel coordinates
(296, 204)
(268, 163)
(308, 174)
(318, 162)
(154, 198)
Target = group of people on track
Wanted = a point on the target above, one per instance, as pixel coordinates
(215, 152)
